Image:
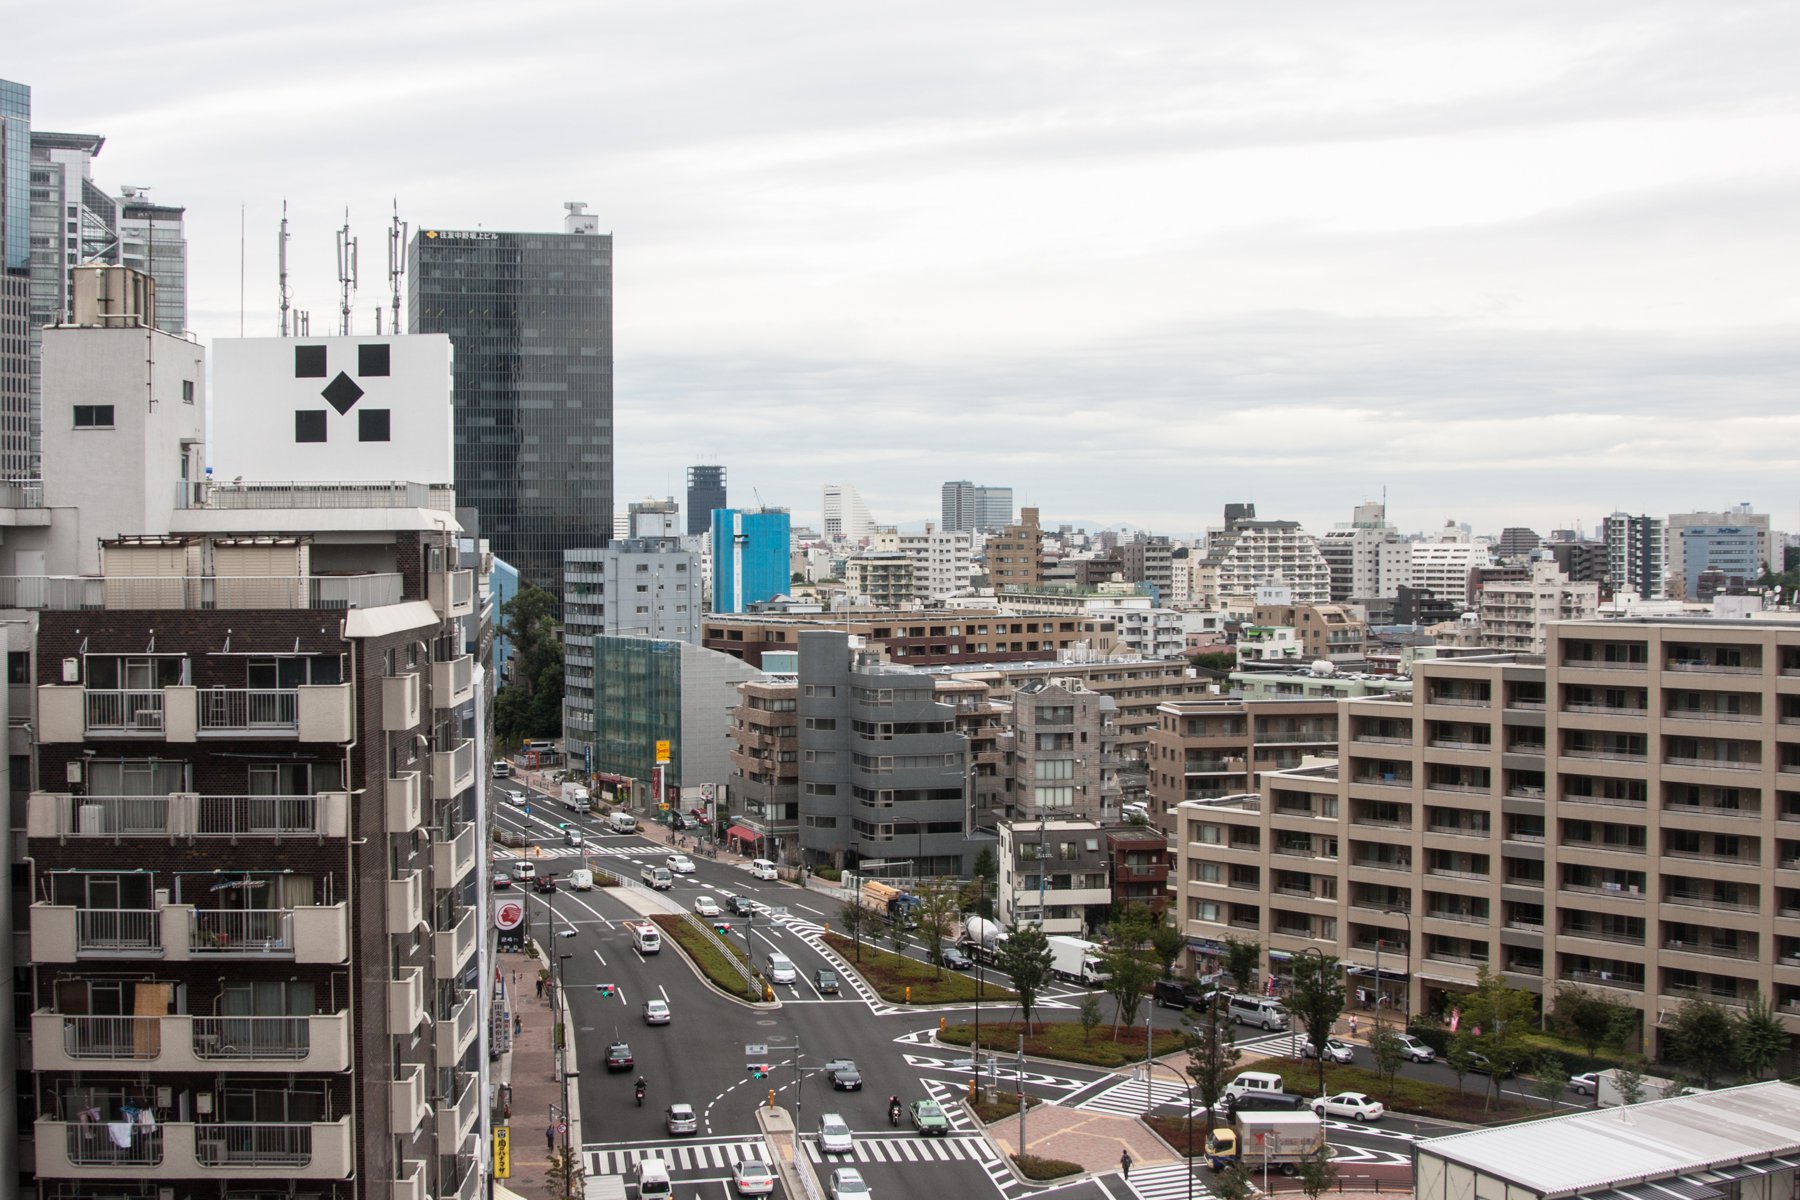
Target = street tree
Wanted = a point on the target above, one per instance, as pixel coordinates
(899, 936)
(1089, 1015)
(1025, 955)
(978, 896)
(1389, 1052)
(1701, 1039)
(1549, 1076)
(1241, 958)
(1459, 1056)
(1212, 1058)
(1498, 1016)
(1629, 1081)
(1131, 970)
(1317, 1173)
(564, 1175)
(1167, 941)
(936, 913)
(1233, 1183)
(1759, 1038)
(853, 918)
(1588, 1017)
(1317, 1000)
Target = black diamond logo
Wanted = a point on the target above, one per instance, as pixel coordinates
(342, 393)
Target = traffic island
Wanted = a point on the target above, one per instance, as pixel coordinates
(901, 980)
(1400, 1094)
(1066, 1041)
(709, 960)
(1040, 1170)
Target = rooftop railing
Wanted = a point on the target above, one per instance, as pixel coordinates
(64, 593)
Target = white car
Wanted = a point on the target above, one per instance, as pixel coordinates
(847, 1184)
(706, 906)
(752, 1177)
(680, 864)
(1349, 1104)
(834, 1135)
(781, 969)
(516, 799)
(656, 1012)
(1585, 1084)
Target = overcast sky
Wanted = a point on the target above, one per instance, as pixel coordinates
(1521, 263)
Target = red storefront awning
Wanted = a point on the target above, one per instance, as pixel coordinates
(742, 833)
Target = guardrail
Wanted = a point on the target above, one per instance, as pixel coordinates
(743, 969)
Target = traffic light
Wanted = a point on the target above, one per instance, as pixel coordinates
(606, 989)
(721, 926)
(759, 1070)
(562, 824)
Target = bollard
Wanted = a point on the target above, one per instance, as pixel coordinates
(771, 1097)
(971, 1091)
(909, 993)
(942, 1024)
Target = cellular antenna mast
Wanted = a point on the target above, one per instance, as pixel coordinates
(346, 255)
(281, 286)
(396, 259)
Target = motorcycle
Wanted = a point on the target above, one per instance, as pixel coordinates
(640, 1095)
(894, 1113)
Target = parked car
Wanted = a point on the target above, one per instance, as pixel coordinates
(706, 906)
(618, 1057)
(1414, 1049)
(752, 1177)
(656, 1012)
(825, 982)
(780, 969)
(847, 1184)
(834, 1135)
(1335, 1050)
(843, 1075)
(1355, 1105)
(681, 1119)
(956, 960)
(678, 821)
(1585, 1084)
(928, 1118)
(680, 864)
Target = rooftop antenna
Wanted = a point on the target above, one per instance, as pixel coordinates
(396, 259)
(346, 256)
(282, 288)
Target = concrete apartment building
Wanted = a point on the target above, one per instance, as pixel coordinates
(1249, 554)
(1637, 554)
(251, 857)
(1204, 749)
(1367, 557)
(918, 637)
(1014, 555)
(1623, 813)
(1326, 632)
(1442, 569)
(883, 579)
(1515, 616)
(943, 562)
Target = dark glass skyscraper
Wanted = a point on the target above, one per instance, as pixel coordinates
(706, 491)
(15, 278)
(530, 319)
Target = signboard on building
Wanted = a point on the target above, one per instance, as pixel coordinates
(508, 913)
(662, 752)
(502, 1152)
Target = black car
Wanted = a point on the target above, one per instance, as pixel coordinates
(679, 822)
(825, 981)
(956, 960)
(618, 1057)
(843, 1075)
(544, 883)
(1182, 993)
(741, 906)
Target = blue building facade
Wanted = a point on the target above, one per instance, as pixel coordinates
(750, 557)
(1733, 549)
(503, 582)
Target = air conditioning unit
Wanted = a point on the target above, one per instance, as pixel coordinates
(147, 718)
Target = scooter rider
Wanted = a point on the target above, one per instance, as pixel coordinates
(640, 1091)
(893, 1110)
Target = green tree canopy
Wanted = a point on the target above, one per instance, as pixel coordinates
(1317, 1000)
(1212, 1058)
(1025, 955)
(1167, 942)
(530, 703)
(1701, 1038)
(1759, 1038)
(1242, 956)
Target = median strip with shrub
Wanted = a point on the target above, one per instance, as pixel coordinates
(891, 974)
(704, 953)
(1065, 1041)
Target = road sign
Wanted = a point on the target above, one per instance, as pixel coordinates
(662, 752)
(756, 1050)
(502, 1152)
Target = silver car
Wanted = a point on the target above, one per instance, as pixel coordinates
(847, 1184)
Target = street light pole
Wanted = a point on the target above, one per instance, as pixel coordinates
(1187, 1082)
(1407, 914)
(563, 1074)
(1318, 982)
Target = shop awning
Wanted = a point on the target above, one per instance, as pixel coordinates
(742, 833)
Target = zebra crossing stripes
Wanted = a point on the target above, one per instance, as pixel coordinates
(681, 1156)
(1128, 1098)
(1165, 1181)
(913, 1149)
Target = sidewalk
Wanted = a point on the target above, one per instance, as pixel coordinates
(1092, 1140)
(530, 1068)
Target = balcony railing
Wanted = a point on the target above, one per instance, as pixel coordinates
(254, 1145)
(124, 710)
(1712, 764)
(1610, 801)
(112, 1037)
(1611, 979)
(97, 1144)
(313, 495)
(234, 1038)
(1709, 949)
(1710, 714)
(1708, 668)
(242, 710)
(1696, 900)
(242, 931)
(181, 814)
(117, 929)
(62, 593)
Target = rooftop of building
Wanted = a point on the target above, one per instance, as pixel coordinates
(1711, 1138)
(50, 140)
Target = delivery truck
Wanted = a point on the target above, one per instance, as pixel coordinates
(892, 904)
(575, 798)
(1280, 1141)
(1076, 959)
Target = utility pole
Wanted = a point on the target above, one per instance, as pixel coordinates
(1021, 1095)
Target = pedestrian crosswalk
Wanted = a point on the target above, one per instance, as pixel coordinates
(907, 1149)
(1167, 1181)
(1130, 1098)
(712, 1155)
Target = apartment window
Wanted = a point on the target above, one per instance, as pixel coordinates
(1205, 910)
(18, 667)
(93, 416)
(187, 391)
(1053, 768)
(824, 723)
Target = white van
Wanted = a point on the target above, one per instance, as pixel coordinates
(1259, 1011)
(581, 879)
(653, 1180)
(1265, 1083)
(622, 822)
(524, 870)
(762, 868)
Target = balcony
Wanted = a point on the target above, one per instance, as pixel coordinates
(259, 712)
(453, 593)
(401, 706)
(455, 1033)
(452, 948)
(406, 1098)
(453, 682)
(456, 1113)
(406, 902)
(182, 1042)
(1704, 667)
(1609, 979)
(235, 933)
(453, 857)
(181, 1150)
(411, 1182)
(72, 593)
(186, 815)
(453, 770)
(1709, 949)
(405, 802)
(1716, 764)
(406, 1001)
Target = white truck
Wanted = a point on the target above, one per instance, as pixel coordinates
(1281, 1140)
(656, 877)
(982, 938)
(1076, 959)
(1649, 1088)
(622, 822)
(645, 936)
(575, 798)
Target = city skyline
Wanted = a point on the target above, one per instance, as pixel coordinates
(1519, 267)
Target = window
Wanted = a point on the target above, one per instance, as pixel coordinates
(826, 723)
(372, 360)
(373, 424)
(93, 416)
(309, 425)
(309, 362)
(187, 391)
(18, 667)
(1053, 768)
(1054, 797)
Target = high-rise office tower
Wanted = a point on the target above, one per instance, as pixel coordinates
(530, 317)
(967, 507)
(958, 506)
(15, 277)
(844, 515)
(993, 508)
(153, 239)
(706, 491)
(750, 557)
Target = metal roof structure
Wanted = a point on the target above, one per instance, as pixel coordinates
(1673, 1149)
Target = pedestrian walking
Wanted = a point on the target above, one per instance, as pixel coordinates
(1352, 1024)
(1125, 1163)
(540, 985)
(550, 1138)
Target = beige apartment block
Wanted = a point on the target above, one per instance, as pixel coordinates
(1205, 749)
(1621, 813)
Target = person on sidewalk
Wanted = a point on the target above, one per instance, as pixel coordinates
(1352, 1024)
(1125, 1163)
(550, 1138)
(540, 987)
